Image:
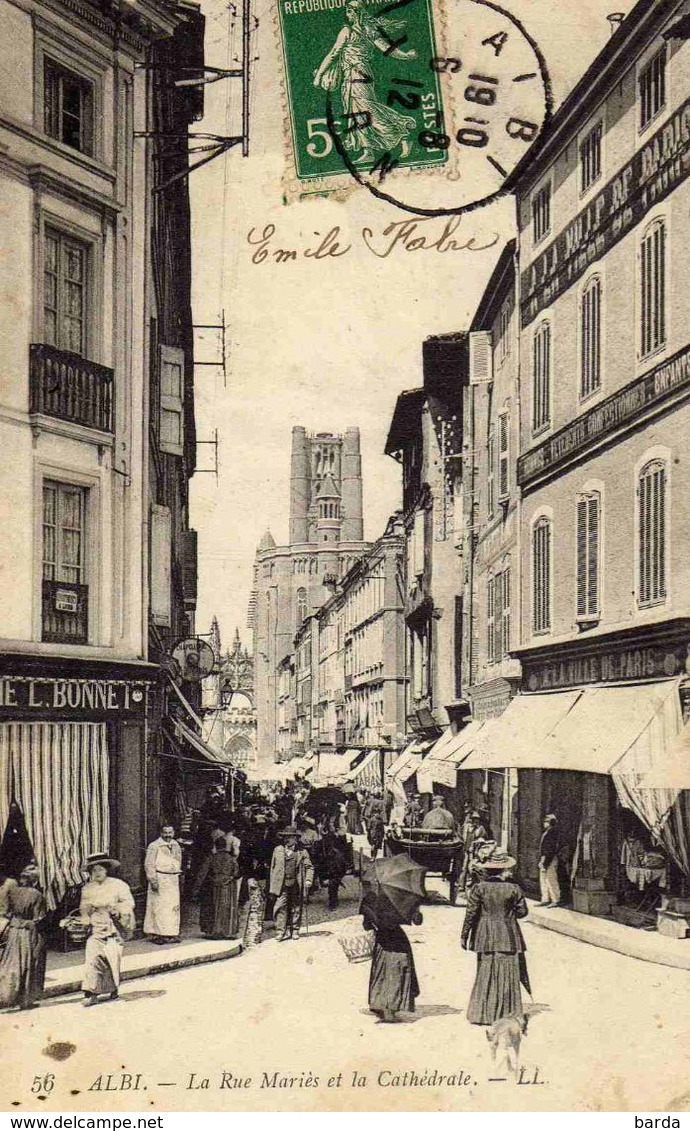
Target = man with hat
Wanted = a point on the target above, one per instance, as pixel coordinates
(438, 817)
(292, 874)
(474, 834)
(548, 863)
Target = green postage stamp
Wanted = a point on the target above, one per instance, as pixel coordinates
(372, 64)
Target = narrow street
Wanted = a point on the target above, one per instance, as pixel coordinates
(610, 1028)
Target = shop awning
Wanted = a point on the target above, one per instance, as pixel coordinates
(367, 773)
(205, 748)
(671, 770)
(449, 754)
(516, 739)
(409, 760)
(598, 730)
(334, 767)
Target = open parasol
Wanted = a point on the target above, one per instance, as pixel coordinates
(396, 881)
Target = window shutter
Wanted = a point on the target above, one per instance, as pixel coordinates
(541, 377)
(490, 621)
(171, 426)
(541, 576)
(582, 557)
(506, 611)
(160, 566)
(419, 525)
(503, 456)
(490, 480)
(481, 358)
(498, 617)
(593, 555)
(652, 534)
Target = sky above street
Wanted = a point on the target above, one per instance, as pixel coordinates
(323, 342)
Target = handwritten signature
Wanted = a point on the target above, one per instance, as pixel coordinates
(402, 235)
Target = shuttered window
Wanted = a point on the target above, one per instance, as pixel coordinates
(541, 576)
(651, 492)
(490, 477)
(505, 611)
(588, 533)
(541, 213)
(503, 455)
(590, 338)
(541, 377)
(652, 88)
(498, 616)
(653, 288)
(590, 157)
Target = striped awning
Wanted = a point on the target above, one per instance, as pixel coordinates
(58, 774)
(213, 753)
(367, 774)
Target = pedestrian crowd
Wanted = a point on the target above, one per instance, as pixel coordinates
(266, 859)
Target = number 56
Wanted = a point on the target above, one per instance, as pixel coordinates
(318, 128)
(43, 1083)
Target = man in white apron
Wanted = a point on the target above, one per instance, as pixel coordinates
(163, 867)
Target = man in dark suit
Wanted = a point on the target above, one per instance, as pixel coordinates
(548, 863)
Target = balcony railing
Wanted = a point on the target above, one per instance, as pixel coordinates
(65, 613)
(69, 387)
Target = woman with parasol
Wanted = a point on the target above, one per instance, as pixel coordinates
(492, 931)
(392, 891)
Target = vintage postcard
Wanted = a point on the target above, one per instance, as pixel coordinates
(344, 584)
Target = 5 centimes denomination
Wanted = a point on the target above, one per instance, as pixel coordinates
(369, 62)
(495, 101)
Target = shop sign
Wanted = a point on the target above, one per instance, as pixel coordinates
(647, 179)
(490, 704)
(68, 698)
(618, 411)
(605, 666)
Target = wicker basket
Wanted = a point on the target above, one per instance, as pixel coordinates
(76, 929)
(358, 947)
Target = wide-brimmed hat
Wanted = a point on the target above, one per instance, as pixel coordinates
(498, 862)
(289, 831)
(100, 858)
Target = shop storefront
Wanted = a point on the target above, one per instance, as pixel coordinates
(596, 737)
(73, 764)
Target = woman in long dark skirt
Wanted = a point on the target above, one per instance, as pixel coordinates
(23, 959)
(218, 914)
(393, 984)
(492, 931)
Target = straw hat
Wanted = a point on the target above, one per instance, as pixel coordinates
(498, 862)
(100, 858)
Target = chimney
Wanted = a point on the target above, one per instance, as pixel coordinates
(615, 20)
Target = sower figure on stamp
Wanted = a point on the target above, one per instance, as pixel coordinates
(292, 874)
(374, 127)
(163, 867)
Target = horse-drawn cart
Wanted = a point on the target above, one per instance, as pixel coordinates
(437, 850)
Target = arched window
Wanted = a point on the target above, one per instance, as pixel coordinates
(590, 338)
(653, 288)
(541, 575)
(541, 377)
(588, 556)
(651, 511)
(301, 605)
